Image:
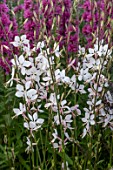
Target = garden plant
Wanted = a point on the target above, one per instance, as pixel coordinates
(56, 88)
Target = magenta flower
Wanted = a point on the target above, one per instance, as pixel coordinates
(7, 35)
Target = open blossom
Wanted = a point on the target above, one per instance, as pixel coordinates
(34, 123)
(20, 41)
(29, 145)
(21, 63)
(21, 110)
(88, 121)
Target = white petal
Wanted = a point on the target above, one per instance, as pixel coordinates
(27, 85)
(80, 77)
(31, 92)
(17, 39)
(19, 94)
(84, 120)
(92, 122)
(40, 121)
(23, 71)
(35, 116)
(26, 125)
(21, 59)
(30, 117)
(91, 51)
(26, 63)
(84, 132)
(68, 117)
(23, 37)
(32, 125)
(98, 102)
(106, 47)
(16, 111)
(63, 102)
(55, 145)
(13, 62)
(34, 97)
(19, 87)
(92, 117)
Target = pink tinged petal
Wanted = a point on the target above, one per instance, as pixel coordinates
(47, 105)
(26, 125)
(21, 59)
(19, 94)
(68, 118)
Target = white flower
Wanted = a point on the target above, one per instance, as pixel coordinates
(81, 50)
(34, 123)
(72, 83)
(20, 41)
(40, 45)
(60, 76)
(20, 111)
(65, 122)
(29, 145)
(20, 91)
(42, 62)
(56, 50)
(55, 135)
(34, 74)
(21, 63)
(88, 120)
(84, 75)
(32, 94)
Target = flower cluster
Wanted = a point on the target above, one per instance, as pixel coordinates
(98, 18)
(92, 73)
(36, 76)
(8, 30)
(41, 80)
